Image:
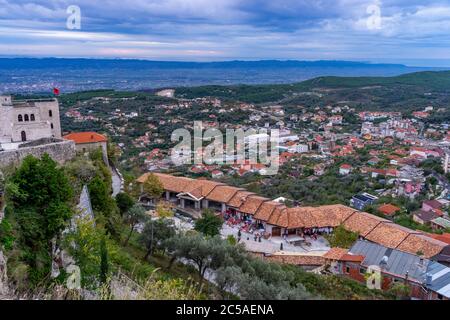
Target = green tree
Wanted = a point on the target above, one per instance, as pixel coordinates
(164, 210)
(112, 152)
(102, 202)
(342, 238)
(194, 248)
(124, 202)
(40, 195)
(87, 251)
(6, 235)
(400, 290)
(82, 169)
(153, 187)
(209, 224)
(2, 186)
(235, 270)
(231, 239)
(98, 192)
(228, 279)
(155, 233)
(134, 216)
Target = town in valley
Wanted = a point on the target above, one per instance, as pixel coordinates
(225, 158)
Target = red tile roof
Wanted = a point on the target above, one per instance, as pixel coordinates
(335, 253)
(352, 258)
(389, 234)
(369, 226)
(223, 193)
(239, 198)
(428, 246)
(388, 209)
(362, 223)
(170, 183)
(85, 137)
(252, 204)
(267, 209)
(445, 237)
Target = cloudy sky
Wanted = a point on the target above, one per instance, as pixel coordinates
(405, 31)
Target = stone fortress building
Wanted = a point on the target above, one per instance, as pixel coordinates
(31, 127)
(28, 120)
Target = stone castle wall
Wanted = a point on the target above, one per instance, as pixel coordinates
(59, 151)
(28, 120)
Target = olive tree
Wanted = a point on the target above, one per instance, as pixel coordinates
(133, 217)
(155, 233)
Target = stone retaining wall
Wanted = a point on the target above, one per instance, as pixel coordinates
(59, 151)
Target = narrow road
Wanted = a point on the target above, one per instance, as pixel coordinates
(116, 182)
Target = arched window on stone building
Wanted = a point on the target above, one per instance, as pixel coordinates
(27, 118)
(20, 118)
(24, 136)
(32, 118)
(50, 113)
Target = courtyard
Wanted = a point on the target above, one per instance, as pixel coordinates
(271, 245)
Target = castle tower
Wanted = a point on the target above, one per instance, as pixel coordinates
(28, 120)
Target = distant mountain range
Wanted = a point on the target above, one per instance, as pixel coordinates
(46, 63)
(40, 75)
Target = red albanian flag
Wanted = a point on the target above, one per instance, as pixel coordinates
(56, 91)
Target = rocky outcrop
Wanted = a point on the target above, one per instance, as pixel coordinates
(4, 290)
(61, 258)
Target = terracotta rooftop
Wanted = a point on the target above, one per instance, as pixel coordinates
(292, 218)
(335, 253)
(196, 193)
(238, 199)
(169, 182)
(223, 194)
(388, 209)
(267, 209)
(309, 217)
(445, 237)
(279, 217)
(202, 187)
(415, 243)
(85, 137)
(328, 216)
(352, 258)
(371, 227)
(341, 212)
(362, 222)
(251, 204)
(389, 234)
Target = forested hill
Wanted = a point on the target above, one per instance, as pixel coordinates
(406, 92)
(429, 80)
